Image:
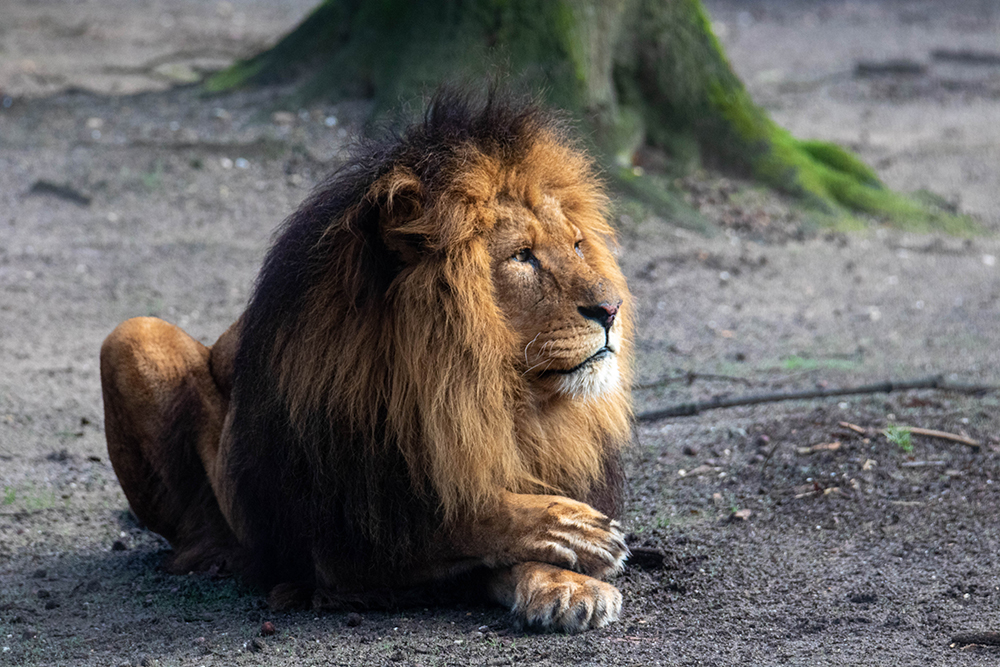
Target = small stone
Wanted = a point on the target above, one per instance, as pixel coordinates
(118, 545)
(689, 451)
(43, 594)
(353, 619)
(178, 72)
(39, 574)
(267, 629)
(51, 604)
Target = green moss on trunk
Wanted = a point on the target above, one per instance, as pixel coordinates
(677, 75)
(632, 70)
(397, 49)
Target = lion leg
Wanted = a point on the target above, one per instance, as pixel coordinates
(546, 555)
(546, 597)
(541, 528)
(163, 410)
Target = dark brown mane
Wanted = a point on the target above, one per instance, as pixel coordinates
(375, 387)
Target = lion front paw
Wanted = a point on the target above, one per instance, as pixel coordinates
(553, 599)
(576, 536)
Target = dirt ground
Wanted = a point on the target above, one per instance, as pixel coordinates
(786, 537)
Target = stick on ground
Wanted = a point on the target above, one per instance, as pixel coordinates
(916, 430)
(985, 638)
(690, 409)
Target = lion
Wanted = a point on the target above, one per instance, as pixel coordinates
(427, 395)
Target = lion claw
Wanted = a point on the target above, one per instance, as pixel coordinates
(548, 598)
(578, 537)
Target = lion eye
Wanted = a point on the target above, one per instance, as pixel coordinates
(579, 249)
(523, 255)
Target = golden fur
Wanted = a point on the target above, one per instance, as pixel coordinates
(439, 334)
(496, 433)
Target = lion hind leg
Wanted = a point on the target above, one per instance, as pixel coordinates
(550, 598)
(161, 408)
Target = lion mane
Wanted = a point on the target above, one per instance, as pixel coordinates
(378, 390)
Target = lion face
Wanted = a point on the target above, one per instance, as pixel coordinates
(561, 293)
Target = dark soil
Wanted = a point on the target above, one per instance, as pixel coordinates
(763, 535)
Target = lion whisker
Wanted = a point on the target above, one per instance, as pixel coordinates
(548, 363)
(529, 345)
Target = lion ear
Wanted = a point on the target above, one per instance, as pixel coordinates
(399, 199)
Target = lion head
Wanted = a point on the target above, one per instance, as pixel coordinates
(561, 295)
(443, 320)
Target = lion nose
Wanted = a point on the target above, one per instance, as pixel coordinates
(602, 313)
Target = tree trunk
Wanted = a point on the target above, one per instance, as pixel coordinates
(636, 71)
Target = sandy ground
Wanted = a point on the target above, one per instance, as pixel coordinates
(122, 194)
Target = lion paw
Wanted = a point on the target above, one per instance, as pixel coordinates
(552, 599)
(576, 536)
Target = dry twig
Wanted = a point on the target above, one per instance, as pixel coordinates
(916, 430)
(983, 638)
(690, 409)
(688, 377)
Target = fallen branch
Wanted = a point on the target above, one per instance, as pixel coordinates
(688, 378)
(984, 638)
(690, 409)
(966, 56)
(916, 430)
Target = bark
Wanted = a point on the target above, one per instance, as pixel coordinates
(634, 71)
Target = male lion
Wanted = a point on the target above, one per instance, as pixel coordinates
(428, 392)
